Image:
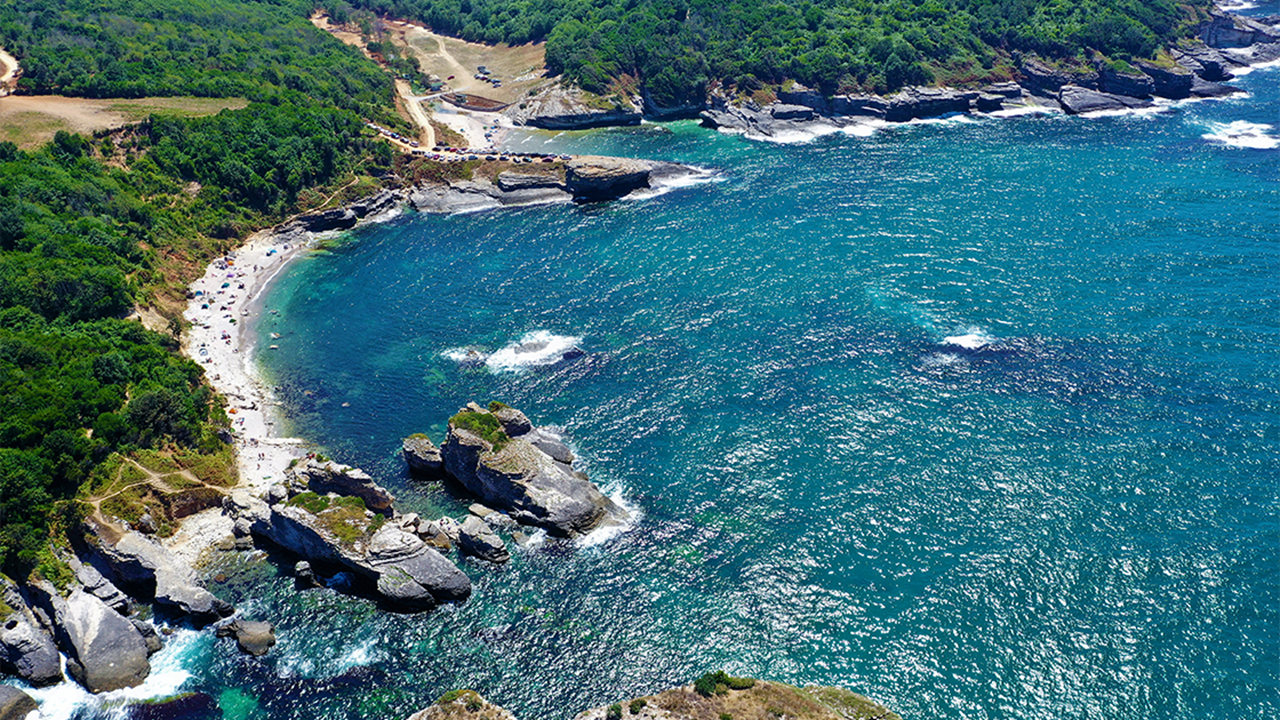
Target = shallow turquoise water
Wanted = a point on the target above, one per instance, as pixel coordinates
(1076, 520)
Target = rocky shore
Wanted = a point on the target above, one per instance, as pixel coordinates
(714, 696)
(1197, 69)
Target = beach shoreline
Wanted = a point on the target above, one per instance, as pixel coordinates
(224, 306)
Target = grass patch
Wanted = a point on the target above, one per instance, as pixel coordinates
(447, 136)
(483, 425)
(720, 683)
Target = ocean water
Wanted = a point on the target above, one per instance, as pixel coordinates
(979, 417)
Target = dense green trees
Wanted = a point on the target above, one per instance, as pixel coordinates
(257, 49)
(677, 46)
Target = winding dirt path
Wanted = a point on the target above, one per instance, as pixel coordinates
(9, 65)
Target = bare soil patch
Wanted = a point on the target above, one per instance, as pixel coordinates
(31, 120)
(520, 68)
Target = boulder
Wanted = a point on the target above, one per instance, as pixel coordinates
(150, 572)
(331, 477)
(515, 476)
(1172, 82)
(514, 422)
(252, 637)
(26, 649)
(104, 650)
(422, 455)
(1077, 100)
(149, 635)
(15, 704)
(303, 576)
(407, 573)
(603, 178)
(552, 445)
(988, 102)
(783, 111)
(478, 539)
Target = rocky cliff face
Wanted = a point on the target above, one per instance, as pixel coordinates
(323, 477)
(565, 108)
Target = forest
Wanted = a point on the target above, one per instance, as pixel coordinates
(92, 227)
(677, 47)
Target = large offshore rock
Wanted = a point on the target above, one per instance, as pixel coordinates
(514, 475)
(422, 455)
(252, 637)
(150, 572)
(26, 649)
(15, 704)
(104, 650)
(478, 539)
(331, 477)
(1077, 100)
(407, 572)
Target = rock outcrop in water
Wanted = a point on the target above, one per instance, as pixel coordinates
(105, 651)
(706, 699)
(15, 704)
(339, 532)
(586, 179)
(523, 471)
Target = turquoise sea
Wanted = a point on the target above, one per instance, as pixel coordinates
(978, 417)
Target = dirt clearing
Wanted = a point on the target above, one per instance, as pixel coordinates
(520, 68)
(30, 121)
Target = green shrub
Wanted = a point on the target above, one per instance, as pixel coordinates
(720, 683)
(448, 697)
(495, 406)
(473, 704)
(637, 705)
(726, 716)
(309, 501)
(614, 712)
(483, 425)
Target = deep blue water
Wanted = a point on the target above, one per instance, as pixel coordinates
(1078, 520)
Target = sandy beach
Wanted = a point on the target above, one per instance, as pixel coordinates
(223, 312)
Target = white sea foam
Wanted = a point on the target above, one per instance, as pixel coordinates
(1242, 56)
(366, 653)
(948, 119)
(1236, 5)
(662, 186)
(974, 338)
(607, 532)
(537, 348)
(1024, 110)
(865, 128)
(68, 699)
(1242, 134)
(1142, 112)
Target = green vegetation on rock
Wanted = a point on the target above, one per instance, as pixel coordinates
(482, 425)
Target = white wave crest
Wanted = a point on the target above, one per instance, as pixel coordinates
(534, 349)
(610, 530)
(664, 185)
(1139, 112)
(1242, 134)
(971, 339)
(68, 699)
